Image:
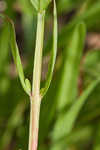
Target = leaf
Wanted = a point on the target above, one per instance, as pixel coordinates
(4, 46)
(92, 63)
(40, 5)
(79, 134)
(67, 5)
(15, 52)
(12, 124)
(90, 16)
(66, 122)
(26, 7)
(73, 52)
(91, 70)
(35, 3)
(53, 57)
(44, 4)
(96, 145)
(28, 85)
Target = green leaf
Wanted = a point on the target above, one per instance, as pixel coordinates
(73, 52)
(28, 85)
(96, 145)
(15, 52)
(79, 134)
(40, 5)
(35, 4)
(90, 17)
(44, 4)
(26, 7)
(67, 5)
(12, 124)
(66, 121)
(53, 57)
(92, 63)
(4, 46)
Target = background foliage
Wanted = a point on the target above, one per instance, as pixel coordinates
(56, 105)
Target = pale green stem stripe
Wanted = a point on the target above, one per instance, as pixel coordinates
(34, 123)
(38, 54)
(35, 97)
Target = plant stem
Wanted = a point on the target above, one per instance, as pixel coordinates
(38, 54)
(34, 123)
(35, 97)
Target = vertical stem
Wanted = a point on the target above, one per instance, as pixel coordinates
(35, 97)
(38, 54)
(34, 123)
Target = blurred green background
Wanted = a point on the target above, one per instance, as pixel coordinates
(14, 104)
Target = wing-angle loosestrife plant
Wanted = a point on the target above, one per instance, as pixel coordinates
(35, 93)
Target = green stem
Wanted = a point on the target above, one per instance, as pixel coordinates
(38, 54)
(34, 123)
(35, 97)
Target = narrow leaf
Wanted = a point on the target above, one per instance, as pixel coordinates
(28, 85)
(15, 52)
(96, 145)
(44, 4)
(53, 57)
(72, 56)
(40, 5)
(12, 123)
(92, 63)
(66, 122)
(35, 4)
(4, 46)
(78, 135)
(90, 17)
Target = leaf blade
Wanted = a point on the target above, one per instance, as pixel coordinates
(66, 122)
(70, 71)
(53, 57)
(15, 52)
(35, 4)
